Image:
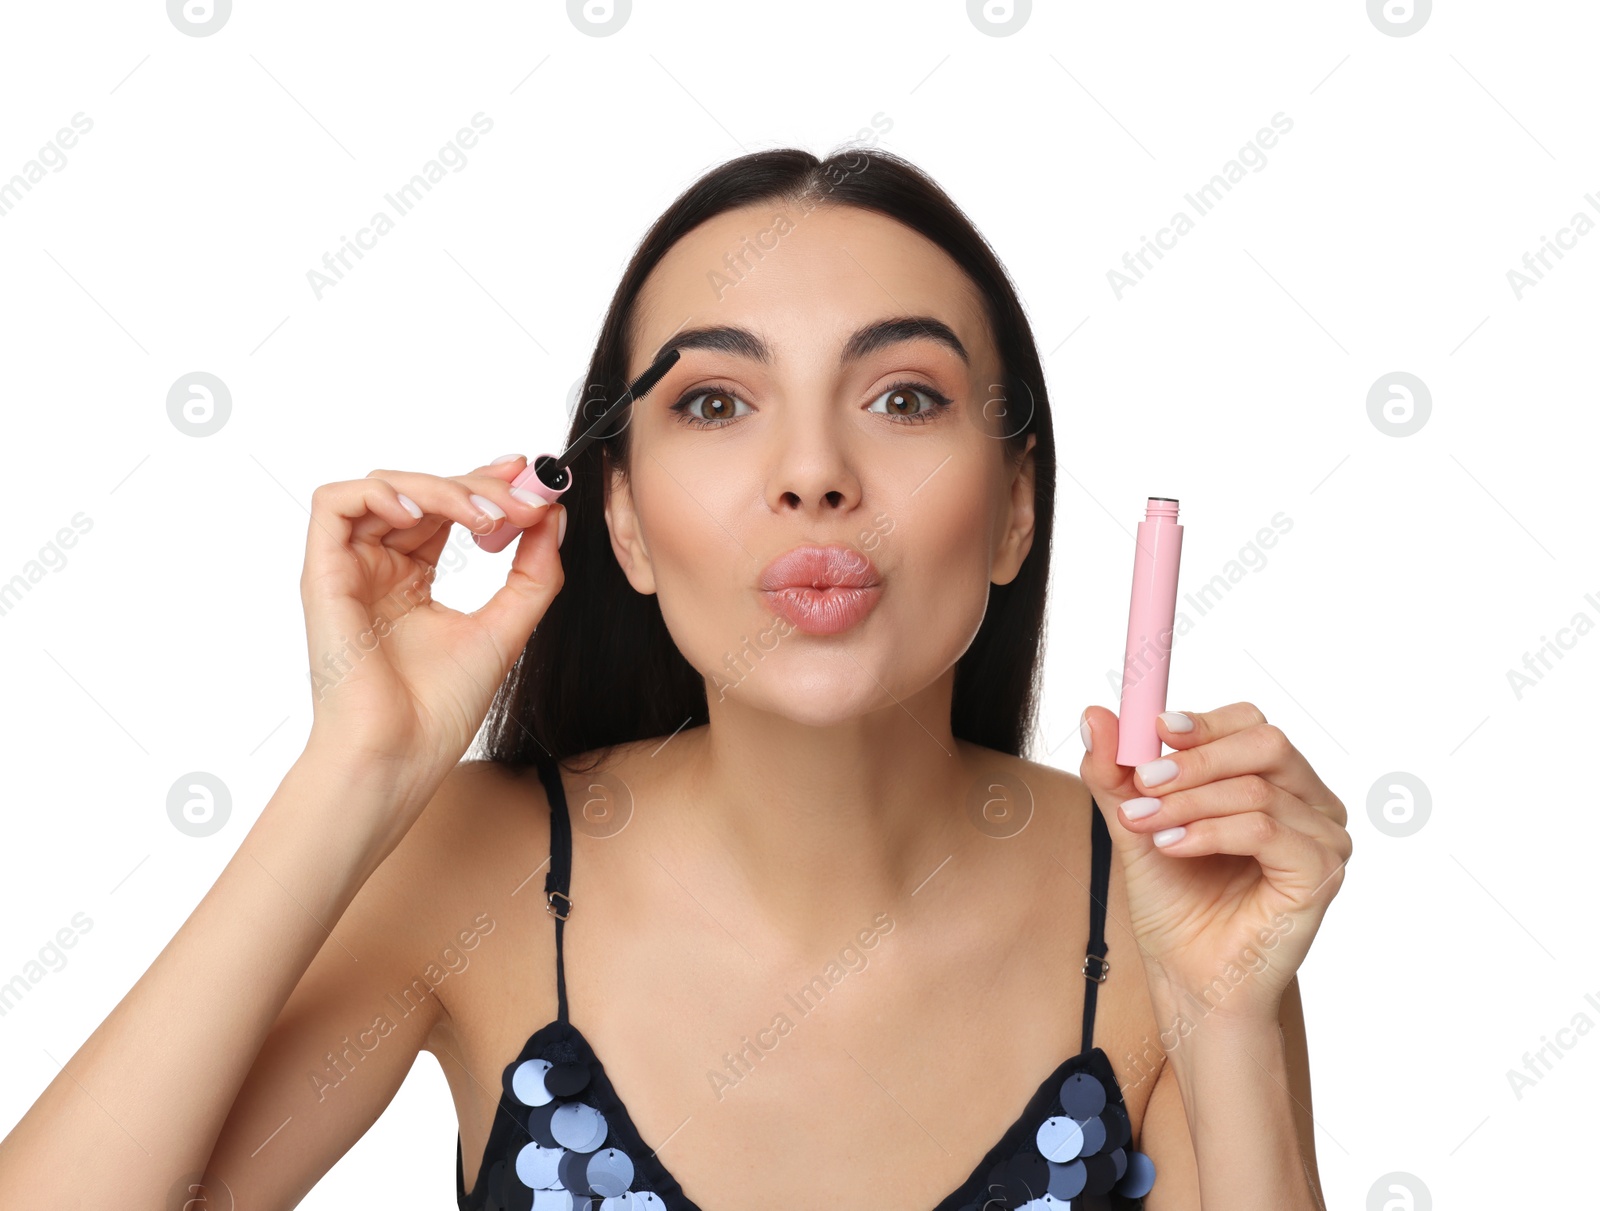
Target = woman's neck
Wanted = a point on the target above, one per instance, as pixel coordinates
(827, 826)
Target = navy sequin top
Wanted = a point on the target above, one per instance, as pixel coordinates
(563, 1138)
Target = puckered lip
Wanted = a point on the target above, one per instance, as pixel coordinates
(819, 566)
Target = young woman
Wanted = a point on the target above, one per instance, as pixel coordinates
(754, 826)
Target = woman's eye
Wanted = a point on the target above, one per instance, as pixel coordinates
(902, 402)
(907, 403)
(719, 406)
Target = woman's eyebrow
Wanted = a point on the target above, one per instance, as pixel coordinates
(741, 342)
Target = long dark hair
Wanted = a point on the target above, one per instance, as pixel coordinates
(601, 668)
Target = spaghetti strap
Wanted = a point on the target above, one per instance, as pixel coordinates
(1095, 967)
(558, 903)
(558, 879)
(557, 1101)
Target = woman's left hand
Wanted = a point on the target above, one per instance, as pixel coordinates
(1225, 912)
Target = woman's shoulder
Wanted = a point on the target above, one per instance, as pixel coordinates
(1036, 771)
(485, 824)
(479, 851)
(482, 800)
(1056, 798)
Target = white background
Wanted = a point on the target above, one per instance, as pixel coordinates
(1378, 632)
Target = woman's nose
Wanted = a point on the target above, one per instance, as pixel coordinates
(812, 467)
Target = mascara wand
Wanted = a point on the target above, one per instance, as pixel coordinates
(550, 475)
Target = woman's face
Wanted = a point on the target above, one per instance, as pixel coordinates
(795, 429)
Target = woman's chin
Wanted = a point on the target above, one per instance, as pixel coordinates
(810, 701)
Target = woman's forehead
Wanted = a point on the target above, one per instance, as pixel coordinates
(804, 280)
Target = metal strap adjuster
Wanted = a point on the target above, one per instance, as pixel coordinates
(1105, 968)
(550, 904)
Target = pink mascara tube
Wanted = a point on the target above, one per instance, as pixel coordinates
(1148, 656)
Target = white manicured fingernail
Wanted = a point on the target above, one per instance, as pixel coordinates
(505, 458)
(529, 498)
(409, 505)
(1138, 809)
(1176, 721)
(488, 506)
(1087, 733)
(561, 527)
(1154, 773)
(1168, 835)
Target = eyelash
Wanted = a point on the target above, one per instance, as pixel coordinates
(941, 402)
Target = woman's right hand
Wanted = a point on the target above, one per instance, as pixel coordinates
(398, 678)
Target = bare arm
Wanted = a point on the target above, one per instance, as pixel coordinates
(352, 1029)
(317, 916)
(141, 1104)
(1248, 1126)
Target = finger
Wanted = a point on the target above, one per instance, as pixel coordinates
(534, 579)
(428, 528)
(421, 522)
(477, 502)
(507, 530)
(1206, 726)
(424, 549)
(1107, 781)
(358, 510)
(506, 467)
(426, 541)
(1259, 748)
(522, 506)
(330, 579)
(1233, 797)
(1296, 864)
